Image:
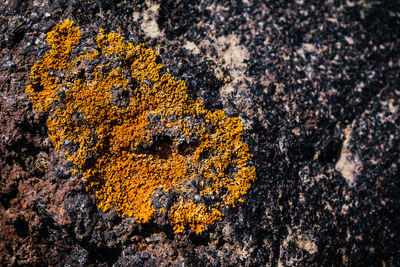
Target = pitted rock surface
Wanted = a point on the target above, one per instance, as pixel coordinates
(316, 85)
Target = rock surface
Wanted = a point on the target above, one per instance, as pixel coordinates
(317, 88)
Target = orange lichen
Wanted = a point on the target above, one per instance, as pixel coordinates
(196, 216)
(126, 154)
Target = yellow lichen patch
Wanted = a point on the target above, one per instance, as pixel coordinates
(62, 40)
(158, 140)
(196, 216)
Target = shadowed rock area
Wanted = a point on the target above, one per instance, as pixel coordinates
(317, 87)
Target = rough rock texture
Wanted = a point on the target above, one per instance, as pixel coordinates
(317, 88)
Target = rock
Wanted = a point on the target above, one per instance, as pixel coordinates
(316, 87)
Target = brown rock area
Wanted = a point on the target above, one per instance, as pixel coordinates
(317, 87)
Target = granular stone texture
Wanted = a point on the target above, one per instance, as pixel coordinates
(314, 85)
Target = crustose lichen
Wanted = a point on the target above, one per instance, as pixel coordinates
(133, 132)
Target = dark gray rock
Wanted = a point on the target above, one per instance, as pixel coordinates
(316, 85)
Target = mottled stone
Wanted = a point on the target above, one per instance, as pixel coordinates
(316, 85)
